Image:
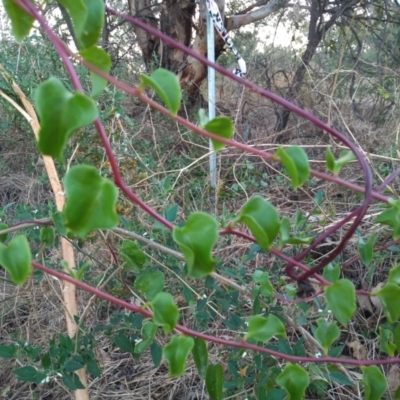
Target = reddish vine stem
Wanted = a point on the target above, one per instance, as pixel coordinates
(190, 332)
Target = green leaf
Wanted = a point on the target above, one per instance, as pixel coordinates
(341, 299)
(196, 241)
(262, 219)
(166, 84)
(200, 356)
(386, 344)
(366, 250)
(93, 368)
(59, 223)
(15, 258)
(326, 333)
(332, 272)
(133, 256)
(72, 365)
(71, 381)
(394, 275)
(61, 113)
(391, 217)
(88, 19)
(262, 278)
(47, 236)
(29, 374)
(156, 353)
(334, 166)
(215, 381)
(124, 343)
(21, 22)
(389, 296)
(396, 338)
(149, 330)
(221, 126)
(150, 283)
(166, 313)
(330, 161)
(91, 201)
(374, 382)
(46, 361)
(176, 353)
(100, 59)
(284, 231)
(203, 118)
(295, 161)
(294, 379)
(7, 351)
(263, 329)
(4, 236)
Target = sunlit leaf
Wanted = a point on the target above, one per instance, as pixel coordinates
(15, 258)
(176, 353)
(221, 126)
(61, 113)
(166, 84)
(294, 379)
(374, 382)
(296, 163)
(165, 311)
(341, 299)
(196, 240)
(262, 219)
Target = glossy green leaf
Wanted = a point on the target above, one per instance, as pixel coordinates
(295, 161)
(394, 275)
(374, 382)
(88, 19)
(165, 311)
(221, 126)
(332, 272)
(90, 201)
(133, 256)
(149, 283)
(326, 333)
(100, 59)
(389, 296)
(262, 219)
(263, 329)
(29, 374)
(166, 84)
(215, 381)
(4, 236)
(366, 249)
(335, 166)
(196, 241)
(149, 330)
(386, 343)
(15, 258)
(21, 22)
(200, 356)
(294, 379)
(61, 113)
(176, 353)
(341, 299)
(47, 236)
(391, 217)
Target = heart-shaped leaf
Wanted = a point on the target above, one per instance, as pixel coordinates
(296, 163)
(196, 241)
(21, 22)
(91, 201)
(341, 299)
(215, 381)
(366, 249)
(165, 311)
(374, 383)
(166, 84)
(326, 333)
(262, 219)
(176, 353)
(332, 272)
(221, 126)
(263, 329)
(15, 258)
(149, 283)
(100, 59)
(133, 256)
(61, 113)
(294, 379)
(389, 296)
(386, 342)
(200, 356)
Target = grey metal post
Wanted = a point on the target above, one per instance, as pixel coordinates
(211, 96)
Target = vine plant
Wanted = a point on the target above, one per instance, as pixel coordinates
(91, 205)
